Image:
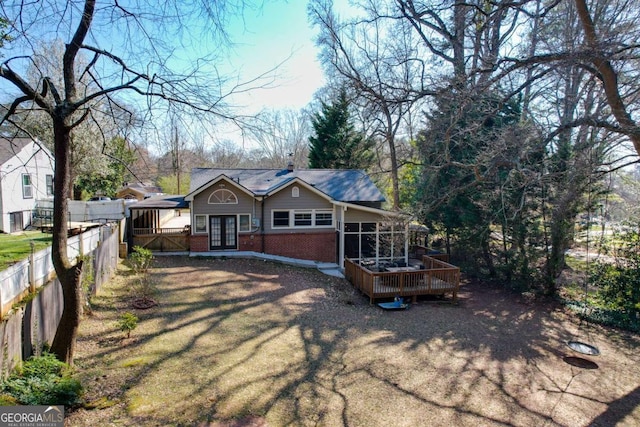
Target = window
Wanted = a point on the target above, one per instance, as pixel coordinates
(361, 240)
(351, 227)
(302, 219)
(245, 222)
(49, 185)
(368, 227)
(324, 219)
(222, 196)
(280, 218)
(201, 224)
(27, 189)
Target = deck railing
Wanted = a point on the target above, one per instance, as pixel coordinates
(437, 278)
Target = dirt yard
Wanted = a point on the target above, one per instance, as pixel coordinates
(253, 343)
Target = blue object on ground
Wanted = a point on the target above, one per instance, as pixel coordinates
(396, 304)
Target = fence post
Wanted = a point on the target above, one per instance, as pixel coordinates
(32, 268)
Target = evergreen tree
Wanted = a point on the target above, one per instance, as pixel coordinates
(336, 144)
(479, 164)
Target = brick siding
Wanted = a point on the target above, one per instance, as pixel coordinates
(199, 243)
(310, 246)
(250, 242)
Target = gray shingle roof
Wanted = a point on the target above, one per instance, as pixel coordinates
(348, 185)
(11, 147)
(161, 202)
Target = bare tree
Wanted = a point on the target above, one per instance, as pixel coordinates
(577, 76)
(227, 154)
(149, 35)
(605, 70)
(378, 61)
(281, 136)
(89, 144)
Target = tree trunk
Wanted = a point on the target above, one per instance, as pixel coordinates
(561, 235)
(69, 275)
(64, 342)
(608, 76)
(395, 181)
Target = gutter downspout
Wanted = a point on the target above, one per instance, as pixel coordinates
(406, 244)
(341, 233)
(262, 225)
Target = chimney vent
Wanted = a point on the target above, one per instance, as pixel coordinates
(290, 164)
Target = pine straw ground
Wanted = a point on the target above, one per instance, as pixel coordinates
(252, 343)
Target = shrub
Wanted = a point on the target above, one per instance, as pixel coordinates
(140, 259)
(127, 323)
(618, 282)
(43, 380)
(47, 364)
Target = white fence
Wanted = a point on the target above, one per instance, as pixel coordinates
(37, 270)
(99, 210)
(82, 211)
(34, 323)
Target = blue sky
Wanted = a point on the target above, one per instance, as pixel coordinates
(279, 31)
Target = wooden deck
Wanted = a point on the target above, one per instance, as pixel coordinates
(437, 278)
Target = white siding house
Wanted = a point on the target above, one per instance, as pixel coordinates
(26, 175)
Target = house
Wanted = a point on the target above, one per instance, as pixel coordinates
(26, 175)
(314, 214)
(138, 191)
(160, 223)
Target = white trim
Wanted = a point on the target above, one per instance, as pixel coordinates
(378, 234)
(232, 199)
(340, 224)
(292, 218)
(346, 206)
(27, 189)
(195, 224)
(189, 197)
(239, 223)
(49, 189)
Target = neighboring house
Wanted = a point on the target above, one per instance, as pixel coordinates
(138, 191)
(26, 175)
(315, 214)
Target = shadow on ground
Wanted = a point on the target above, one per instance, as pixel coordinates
(246, 342)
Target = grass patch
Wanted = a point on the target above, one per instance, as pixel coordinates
(16, 247)
(576, 264)
(136, 361)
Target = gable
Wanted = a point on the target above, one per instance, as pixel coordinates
(221, 197)
(298, 195)
(202, 186)
(9, 148)
(22, 150)
(130, 193)
(302, 186)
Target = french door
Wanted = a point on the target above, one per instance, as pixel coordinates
(223, 232)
